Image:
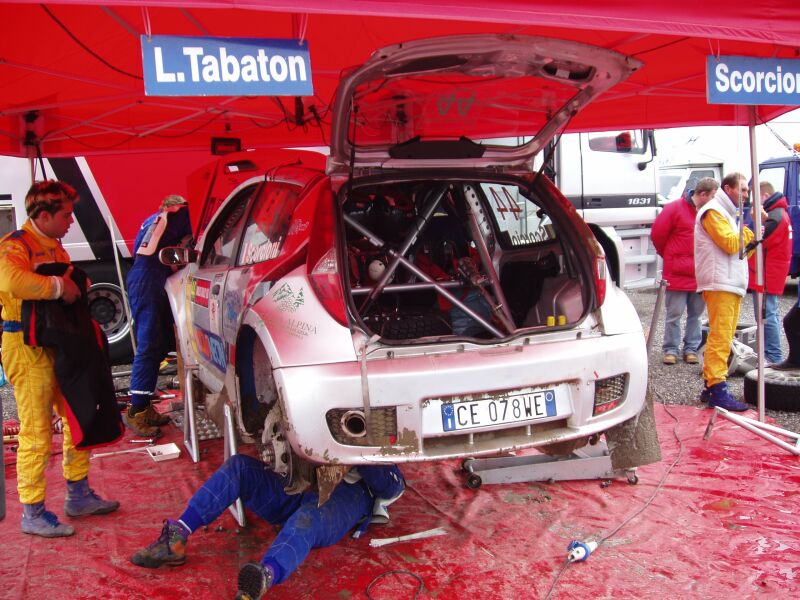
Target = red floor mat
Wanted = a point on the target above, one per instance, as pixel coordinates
(724, 525)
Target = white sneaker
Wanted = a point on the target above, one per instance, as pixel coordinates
(380, 514)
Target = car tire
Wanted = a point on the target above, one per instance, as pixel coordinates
(781, 389)
(107, 307)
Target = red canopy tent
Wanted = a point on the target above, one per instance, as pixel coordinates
(77, 66)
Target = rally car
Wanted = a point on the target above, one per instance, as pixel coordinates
(424, 294)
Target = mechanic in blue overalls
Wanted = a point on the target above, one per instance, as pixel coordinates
(152, 318)
(361, 497)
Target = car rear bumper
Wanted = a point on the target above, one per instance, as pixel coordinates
(412, 389)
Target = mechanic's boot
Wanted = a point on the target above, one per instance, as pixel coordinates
(718, 395)
(137, 421)
(155, 418)
(38, 521)
(254, 580)
(168, 549)
(81, 500)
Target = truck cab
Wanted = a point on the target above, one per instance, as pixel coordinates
(784, 175)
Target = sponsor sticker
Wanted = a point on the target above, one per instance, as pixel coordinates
(200, 291)
(287, 299)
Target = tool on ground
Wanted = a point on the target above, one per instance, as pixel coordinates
(375, 543)
(578, 551)
(105, 454)
(149, 441)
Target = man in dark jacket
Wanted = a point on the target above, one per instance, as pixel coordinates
(777, 253)
(673, 238)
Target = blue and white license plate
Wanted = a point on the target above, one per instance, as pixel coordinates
(510, 408)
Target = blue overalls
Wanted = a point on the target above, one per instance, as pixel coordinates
(152, 317)
(305, 526)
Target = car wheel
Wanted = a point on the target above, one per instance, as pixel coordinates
(781, 389)
(107, 307)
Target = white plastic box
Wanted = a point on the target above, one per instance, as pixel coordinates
(164, 452)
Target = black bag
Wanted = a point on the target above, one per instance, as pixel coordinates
(82, 365)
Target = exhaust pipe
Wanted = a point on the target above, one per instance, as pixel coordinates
(354, 424)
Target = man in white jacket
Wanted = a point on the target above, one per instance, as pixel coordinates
(722, 279)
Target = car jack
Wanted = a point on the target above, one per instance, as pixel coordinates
(590, 462)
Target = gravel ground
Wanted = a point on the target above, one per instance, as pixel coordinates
(673, 384)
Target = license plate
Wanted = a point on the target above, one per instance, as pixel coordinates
(511, 408)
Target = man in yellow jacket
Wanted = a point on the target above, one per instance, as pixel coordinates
(30, 368)
(722, 278)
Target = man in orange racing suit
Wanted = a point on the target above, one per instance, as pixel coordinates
(30, 368)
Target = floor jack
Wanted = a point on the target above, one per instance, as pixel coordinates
(590, 462)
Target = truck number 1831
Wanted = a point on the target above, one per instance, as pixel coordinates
(643, 201)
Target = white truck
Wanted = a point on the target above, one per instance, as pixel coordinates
(611, 178)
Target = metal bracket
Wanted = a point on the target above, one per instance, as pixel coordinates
(591, 462)
(757, 427)
(229, 443)
(189, 423)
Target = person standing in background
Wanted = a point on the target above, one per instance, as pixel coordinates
(777, 253)
(673, 238)
(722, 278)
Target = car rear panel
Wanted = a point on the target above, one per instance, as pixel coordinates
(416, 386)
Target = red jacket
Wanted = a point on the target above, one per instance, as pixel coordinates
(776, 248)
(673, 238)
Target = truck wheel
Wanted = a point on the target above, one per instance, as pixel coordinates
(781, 389)
(106, 306)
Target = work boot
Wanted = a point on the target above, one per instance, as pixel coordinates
(137, 421)
(786, 365)
(670, 359)
(718, 395)
(155, 418)
(691, 358)
(168, 549)
(81, 500)
(38, 521)
(254, 580)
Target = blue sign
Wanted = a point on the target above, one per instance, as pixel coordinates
(208, 66)
(748, 80)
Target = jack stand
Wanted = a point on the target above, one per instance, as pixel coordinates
(590, 462)
(757, 427)
(189, 422)
(229, 443)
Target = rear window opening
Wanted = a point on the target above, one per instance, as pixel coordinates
(454, 258)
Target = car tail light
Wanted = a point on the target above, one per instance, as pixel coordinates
(327, 286)
(609, 393)
(322, 265)
(600, 272)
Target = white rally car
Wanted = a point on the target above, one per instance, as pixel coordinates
(426, 296)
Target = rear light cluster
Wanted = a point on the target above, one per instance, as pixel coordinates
(609, 393)
(600, 272)
(322, 264)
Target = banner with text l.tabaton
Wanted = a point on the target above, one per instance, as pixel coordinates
(747, 80)
(216, 66)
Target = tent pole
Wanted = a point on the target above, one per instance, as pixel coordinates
(755, 212)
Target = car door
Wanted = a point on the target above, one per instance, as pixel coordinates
(205, 286)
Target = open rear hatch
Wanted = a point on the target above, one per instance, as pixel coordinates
(434, 100)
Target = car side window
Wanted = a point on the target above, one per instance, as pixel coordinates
(520, 221)
(221, 242)
(268, 223)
